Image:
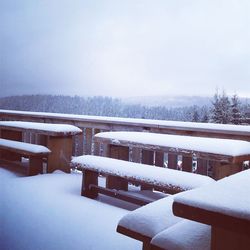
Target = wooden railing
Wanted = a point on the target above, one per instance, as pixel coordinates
(95, 124)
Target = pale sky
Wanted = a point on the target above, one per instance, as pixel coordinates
(124, 48)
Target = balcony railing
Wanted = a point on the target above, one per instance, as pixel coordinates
(83, 144)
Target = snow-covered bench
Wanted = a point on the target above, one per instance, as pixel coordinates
(156, 221)
(166, 180)
(184, 235)
(11, 152)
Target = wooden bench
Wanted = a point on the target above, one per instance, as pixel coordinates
(162, 179)
(12, 151)
(185, 234)
(156, 221)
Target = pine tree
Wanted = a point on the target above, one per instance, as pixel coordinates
(225, 109)
(216, 111)
(221, 110)
(236, 116)
(195, 115)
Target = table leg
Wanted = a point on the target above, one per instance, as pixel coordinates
(61, 152)
(224, 239)
(121, 153)
(221, 170)
(11, 135)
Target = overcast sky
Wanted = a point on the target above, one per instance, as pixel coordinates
(124, 48)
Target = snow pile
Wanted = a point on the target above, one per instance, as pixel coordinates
(47, 212)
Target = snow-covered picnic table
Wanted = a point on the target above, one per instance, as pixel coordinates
(57, 137)
(228, 153)
(225, 205)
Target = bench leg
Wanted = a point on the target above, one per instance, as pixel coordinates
(146, 245)
(35, 165)
(88, 178)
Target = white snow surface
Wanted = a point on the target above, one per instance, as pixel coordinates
(225, 128)
(190, 143)
(184, 235)
(48, 212)
(142, 172)
(24, 146)
(58, 128)
(229, 196)
(152, 218)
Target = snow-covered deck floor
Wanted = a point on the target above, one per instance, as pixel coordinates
(47, 212)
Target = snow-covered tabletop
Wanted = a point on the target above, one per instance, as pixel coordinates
(229, 197)
(177, 143)
(45, 128)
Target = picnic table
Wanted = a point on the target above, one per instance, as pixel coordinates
(227, 155)
(225, 205)
(57, 137)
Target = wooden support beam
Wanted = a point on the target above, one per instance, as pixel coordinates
(187, 164)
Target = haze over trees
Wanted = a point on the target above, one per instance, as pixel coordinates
(223, 109)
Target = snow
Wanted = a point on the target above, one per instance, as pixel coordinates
(228, 196)
(24, 146)
(58, 128)
(142, 172)
(177, 142)
(194, 236)
(152, 218)
(47, 212)
(177, 125)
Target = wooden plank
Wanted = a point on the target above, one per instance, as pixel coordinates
(172, 161)
(125, 196)
(136, 155)
(202, 166)
(159, 159)
(96, 144)
(122, 153)
(187, 164)
(78, 145)
(147, 158)
(88, 141)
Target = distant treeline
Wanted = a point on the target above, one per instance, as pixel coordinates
(107, 106)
